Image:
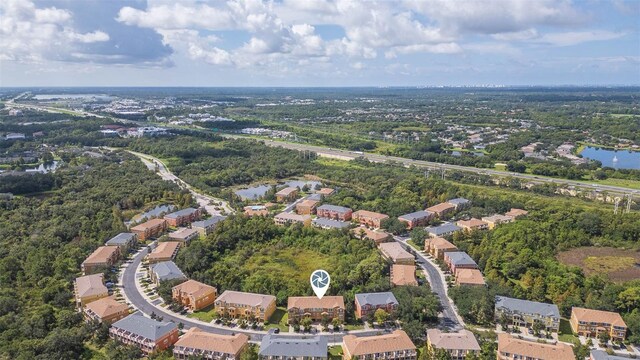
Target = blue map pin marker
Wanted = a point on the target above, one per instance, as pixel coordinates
(320, 282)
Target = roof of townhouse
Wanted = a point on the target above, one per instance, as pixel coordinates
(602, 355)
(194, 288)
(403, 274)
(462, 340)
(441, 207)
(330, 223)
(514, 212)
(196, 338)
(371, 234)
(416, 215)
(527, 307)
(100, 255)
(534, 349)
(471, 223)
(316, 197)
(292, 217)
(90, 285)
(440, 243)
(469, 277)
(164, 250)
(148, 224)
(397, 340)
(106, 307)
(306, 302)
(167, 270)
(120, 239)
(307, 202)
(598, 316)
(370, 214)
(497, 218)
(182, 233)
(459, 258)
(336, 208)
(145, 327)
(395, 251)
(183, 212)
(244, 298)
(287, 191)
(442, 229)
(459, 201)
(208, 222)
(293, 346)
(381, 298)
(326, 191)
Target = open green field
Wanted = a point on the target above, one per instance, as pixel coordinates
(279, 320)
(335, 352)
(207, 314)
(289, 263)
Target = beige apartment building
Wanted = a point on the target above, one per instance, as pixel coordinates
(238, 304)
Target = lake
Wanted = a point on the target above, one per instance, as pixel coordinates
(153, 213)
(625, 159)
(45, 168)
(258, 191)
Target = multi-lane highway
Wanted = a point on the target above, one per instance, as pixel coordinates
(349, 155)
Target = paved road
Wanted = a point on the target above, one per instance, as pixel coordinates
(203, 200)
(128, 278)
(449, 318)
(348, 155)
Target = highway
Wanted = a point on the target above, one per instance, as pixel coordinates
(449, 318)
(350, 155)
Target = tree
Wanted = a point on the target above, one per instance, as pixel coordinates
(381, 316)
(394, 226)
(306, 323)
(335, 322)
(418, 235)
(537, 327)
(249, 353)
(604, 338)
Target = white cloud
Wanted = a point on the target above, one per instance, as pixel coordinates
(30, 34)
(578, 37)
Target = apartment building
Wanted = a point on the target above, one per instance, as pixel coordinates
(458, 260)
(460, 203)
(283, 347)
(369, 218)
(165, 271)
(124, 241)
(184, 235)
(394, 252)
(307, 207)
(377, 236)
(403, 275)
(150, 229)
(326, 192)
(106, 310)
(497, 219)
(367, 303)
(238, 304)
(458, 345)
(526, 313)
(256, 210)
(164, 251)
(602, 355)
(394, 346)
(327, 224)
(469, 277)
(516, 213)
(473, 224)
(446, 229)
(442, 210)
(287, 194)
(183, 217)
(194, 295)
(89, 288)
(437, 246)
(197, 343)
(206, 227)
(415, 219)
(147, 334)
(590, 323)
(334, 212)
(510, 348)
(101, 259)
(285, 218)
(329, 307)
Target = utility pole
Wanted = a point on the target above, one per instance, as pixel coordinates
(616, 204)
(628, 209)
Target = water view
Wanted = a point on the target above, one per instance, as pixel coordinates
(45, 168)
(617, 159)
(258, 191)
(153, 213)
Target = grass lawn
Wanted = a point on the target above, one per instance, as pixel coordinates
(289, 263)
(335, 352)
(565, 334)
(207, 314)
(353, 326)
(279, 320)
(415, 246)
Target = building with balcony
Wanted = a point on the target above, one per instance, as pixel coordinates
(285, 218)
(394, 346)
(369, 218)
(367, 303)
(89, 288)
(124, 241)
(150, 229)
(164, 251)
(206, 227)
(415, 219)
(194, 295)
(442, 210)
(497, 219)
(446, 229)
(590, 323)
(394, 252)
(377, 236)
(307, 207)
(238, 304)
(147, 334)
(197, 343)
(473, 224)
(165, 271)
(329, 307)
(437, 246)
(458, 260)
(403, 275)
(285, 347)
(101, 259)
(526, 313)
(516, 213)
(458, 344)
(460, 203)
(184, 235)
(287, 194)
(106, 310)
(183, 217)
(510, 348)
(334, 212)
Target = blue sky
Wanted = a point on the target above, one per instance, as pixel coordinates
(319, 42)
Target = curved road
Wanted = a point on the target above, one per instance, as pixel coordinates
(350, 155)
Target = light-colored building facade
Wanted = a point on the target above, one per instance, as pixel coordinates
(194, 295)
(458, 344)
(125, 241)
(101, 259)
(377, 236)
(147, 334)
(329, 307)
(415, 219)
(150, 229)
(89, 288)
(458, 260)
(469, 277)
(516, 213)
(334, 212)
(442, 210)
(473, 224)
(510, 348)
(238, 304)
(164, 251)
(183, 217)
(106, 310)
(590, 323)
(184, 235)
(307, 207)
(197, 343)
(525, 313)
(369, 218)
(287, 194)
(403, 275)
(206, 227)
(394, 346)
(495, 220)
(437, 246)
(395, 253)
(285, 218)
(286, 347)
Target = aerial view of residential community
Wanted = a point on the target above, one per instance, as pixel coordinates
(323, 179)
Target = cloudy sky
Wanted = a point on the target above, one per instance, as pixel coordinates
(318, 42)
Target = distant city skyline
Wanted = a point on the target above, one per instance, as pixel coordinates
(300, 43)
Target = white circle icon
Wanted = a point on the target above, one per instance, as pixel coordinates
(320, 280)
